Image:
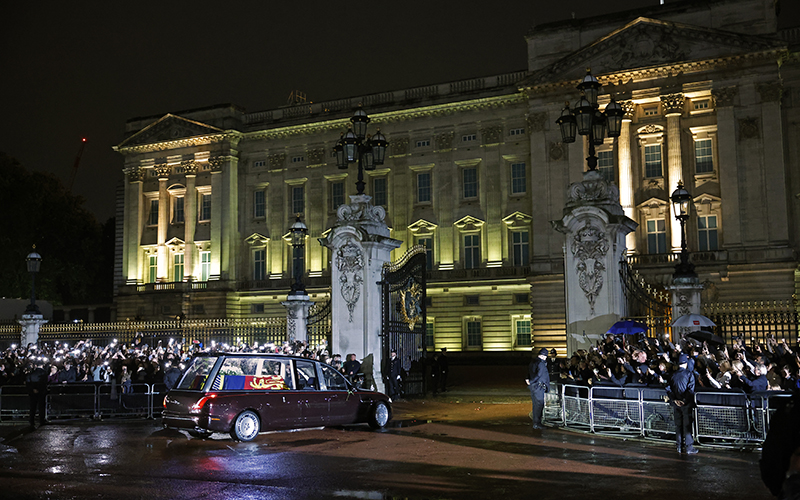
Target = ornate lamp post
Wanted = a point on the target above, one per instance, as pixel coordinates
(357, 146)
(681, 206)
(34, 261)
(298, 231)
(587, 119)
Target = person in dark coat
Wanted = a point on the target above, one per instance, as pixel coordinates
(36, 383)
(680, 394)
(395, 374)
(443, 369)
(171, 375)
(538, 383)
(69, 375)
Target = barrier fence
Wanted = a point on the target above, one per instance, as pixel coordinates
(85, 401)
(723, 418)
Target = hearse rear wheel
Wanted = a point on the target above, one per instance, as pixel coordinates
(246, 426)
(379, 415)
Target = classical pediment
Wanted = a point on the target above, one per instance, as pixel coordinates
(422, 226)
(468, 223)
(257, 239)
(518, 219)
(645, 43)
(169, 128)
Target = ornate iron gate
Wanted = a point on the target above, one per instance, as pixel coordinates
(318, 325)
(647, 303)
(404, 317)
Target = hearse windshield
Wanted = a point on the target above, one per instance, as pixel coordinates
(195, 377)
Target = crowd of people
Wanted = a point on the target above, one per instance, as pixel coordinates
(771, 365)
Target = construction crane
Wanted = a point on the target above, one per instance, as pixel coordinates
(75, 165)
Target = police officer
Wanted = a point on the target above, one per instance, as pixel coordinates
(680, 394)
(395, 374)
(36, 383)
(538, 383)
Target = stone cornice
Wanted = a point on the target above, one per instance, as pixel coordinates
(386, 117)
(232, 136)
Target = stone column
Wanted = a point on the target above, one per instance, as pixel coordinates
(162, 272)
(626, 187)
(596, 226)
(31, 324)
(673, 107)
(728, 164)
(685, 300)
(190, 219)
(132, 226)
(216, 218)
(360, 245)
(297, 307)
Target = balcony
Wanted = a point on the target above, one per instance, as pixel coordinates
(663, 259)
(481, 273)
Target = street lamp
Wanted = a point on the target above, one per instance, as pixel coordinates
(681, 206)
(34, 261)
(298, 232)
(587, 119)
(356, 145)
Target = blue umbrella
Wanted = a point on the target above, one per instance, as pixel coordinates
(627, 327)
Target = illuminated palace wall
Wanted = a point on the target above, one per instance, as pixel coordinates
(476, 171)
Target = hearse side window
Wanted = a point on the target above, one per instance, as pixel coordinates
(252, 374)
(306, 376)
(334, 381)
(196, 375)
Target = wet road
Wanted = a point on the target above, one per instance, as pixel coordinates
(490, 454)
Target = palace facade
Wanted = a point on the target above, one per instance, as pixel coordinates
(476, 170)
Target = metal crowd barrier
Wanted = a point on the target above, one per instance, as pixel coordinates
(85, 400)
(725, 418)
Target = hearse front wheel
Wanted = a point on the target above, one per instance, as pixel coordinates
(379, 415)
(246, 426)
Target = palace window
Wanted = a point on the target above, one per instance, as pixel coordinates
(205, 207)
(177, 267)
(205, 266)
(297, 201)
(259, 264)
(427, 242)
(707, 233)
(516, 131)
(423, 143)
(259, 203)
(472, 251)
(703, 156)
(469, 137)
(469, 177)
(652, 161)
(430, 339)
(605, 165)
(152, 218)
(257, 308)
(152, 268)
(298, 159)
(518, 178)
(522, 331)
(380, 194)
(473, 327)
(656, 236)
(177, 207)
(337, 195)
(259, 163)
(424, 187)
(520, 248)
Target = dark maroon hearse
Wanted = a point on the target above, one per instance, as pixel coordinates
(245, 394)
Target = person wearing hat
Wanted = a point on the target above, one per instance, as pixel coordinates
(395, 375)
(36, 383)
(538, 383)
(680, 394)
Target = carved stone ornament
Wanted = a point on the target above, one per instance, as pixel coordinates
(189, 167)
(557, 151)
(135, 174)
(163, 170)
(589, 248)
(536, 122)
(399, 146)
(628, 107)
(748, 128)
(360, 211)
(350, 263)
(215, 163)
(593, 189)
(291, 326)
(646, 47)
(316, 156)
(770, 92)
(724, 97)
(491, 135)
(411, 300)
(684, 305)
(651, 129)
(277, 160)
(444, 141)
(673, 103)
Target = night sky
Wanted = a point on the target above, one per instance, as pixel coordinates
(82, 69)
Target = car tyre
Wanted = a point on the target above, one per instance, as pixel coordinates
(379, 415)
(246, 426)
